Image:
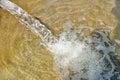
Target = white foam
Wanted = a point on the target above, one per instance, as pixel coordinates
(78, 59)
(74, 58)
(117, 41)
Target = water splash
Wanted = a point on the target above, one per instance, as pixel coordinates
(77, 57)
(88, 59)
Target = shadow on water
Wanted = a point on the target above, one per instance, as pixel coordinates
(116, 12)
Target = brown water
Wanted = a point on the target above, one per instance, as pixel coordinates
(21, 55)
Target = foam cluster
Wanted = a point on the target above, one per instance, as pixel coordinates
(86, 59)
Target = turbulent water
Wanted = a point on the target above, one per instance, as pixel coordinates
(85, 58)
(77, 57)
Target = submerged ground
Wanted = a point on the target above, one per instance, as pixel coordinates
(22, 57)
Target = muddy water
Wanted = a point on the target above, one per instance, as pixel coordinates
(22, 57)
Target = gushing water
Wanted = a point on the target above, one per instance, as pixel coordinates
(77, 57)
(29, 21)
(88, 59)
